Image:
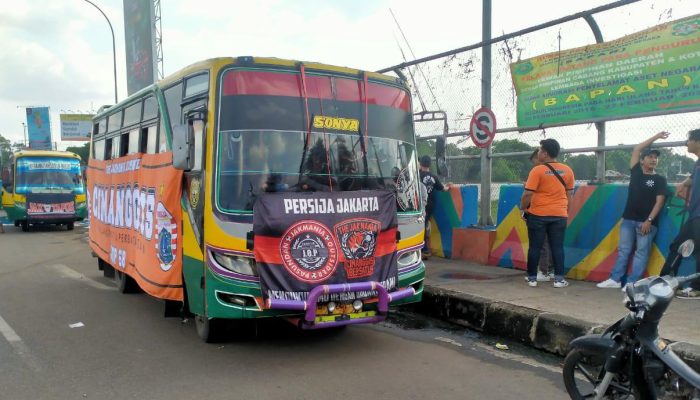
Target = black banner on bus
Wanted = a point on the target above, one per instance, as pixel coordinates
(303, 240)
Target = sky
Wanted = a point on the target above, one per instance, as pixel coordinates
(58, 53)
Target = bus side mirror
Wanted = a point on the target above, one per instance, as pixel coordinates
(183, 147)
(440, 156)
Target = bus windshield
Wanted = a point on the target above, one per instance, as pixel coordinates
(252, 162)
(40, 174)
(281, 131)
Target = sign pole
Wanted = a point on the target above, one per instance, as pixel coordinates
(485, 203)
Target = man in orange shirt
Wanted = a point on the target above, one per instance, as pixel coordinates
(545, 206)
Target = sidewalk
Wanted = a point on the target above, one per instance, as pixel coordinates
(497, 301)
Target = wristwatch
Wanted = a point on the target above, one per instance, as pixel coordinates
(650, 219)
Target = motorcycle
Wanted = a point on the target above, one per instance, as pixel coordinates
(629, 360)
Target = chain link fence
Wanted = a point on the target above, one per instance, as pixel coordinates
(452, 85)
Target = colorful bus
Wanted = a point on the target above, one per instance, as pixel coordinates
(241, 188)
(44, 187)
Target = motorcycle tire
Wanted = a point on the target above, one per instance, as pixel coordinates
(582, 373)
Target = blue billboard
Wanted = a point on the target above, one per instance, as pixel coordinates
(39, 128)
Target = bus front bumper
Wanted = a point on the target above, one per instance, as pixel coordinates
(311, 320)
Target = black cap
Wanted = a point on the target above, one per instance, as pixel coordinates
(425, 161)
(648, 151)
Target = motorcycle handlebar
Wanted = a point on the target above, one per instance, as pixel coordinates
(688, 278)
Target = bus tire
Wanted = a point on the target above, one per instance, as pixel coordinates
(25, 226)
(70, 226)
(107, 270)
(125, 283)
(16, 223)
(208, 329)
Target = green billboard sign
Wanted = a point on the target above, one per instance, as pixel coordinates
(652, 72)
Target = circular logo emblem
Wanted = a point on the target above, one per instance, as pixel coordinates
(523, 68)
(405, 191)
(309, 251)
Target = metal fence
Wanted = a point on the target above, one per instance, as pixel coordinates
(453, 85)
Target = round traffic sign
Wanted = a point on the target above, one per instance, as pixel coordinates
(482, 127)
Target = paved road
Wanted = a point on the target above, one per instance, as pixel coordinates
(66, 333)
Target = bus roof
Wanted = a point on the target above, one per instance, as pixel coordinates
(45, 153)
(219, 62)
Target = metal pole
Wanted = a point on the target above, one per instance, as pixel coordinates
(24, 130)
(485, 215)
(510, 35)
(114, 49)
(600, 126)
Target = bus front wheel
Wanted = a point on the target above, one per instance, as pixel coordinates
(70, 226)
(208, 329)
(25, 226)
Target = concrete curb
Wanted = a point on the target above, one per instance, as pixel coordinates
(546, 331)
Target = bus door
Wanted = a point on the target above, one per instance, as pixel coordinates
(195, 122)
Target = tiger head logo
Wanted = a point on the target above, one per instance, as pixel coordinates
(358, 241)
(358, 244)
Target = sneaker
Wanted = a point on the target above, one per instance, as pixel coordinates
(531, 283)
(688, 294)
(560, 284)
(544, 278)
(609, 283)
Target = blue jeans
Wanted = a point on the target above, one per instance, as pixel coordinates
(554, 228)
(630, 232)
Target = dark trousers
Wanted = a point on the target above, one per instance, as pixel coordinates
(689, 230)
(553, 228)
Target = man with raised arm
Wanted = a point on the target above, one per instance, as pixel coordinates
(645, 199)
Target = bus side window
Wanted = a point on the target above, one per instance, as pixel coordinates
(173, 101)
(162, 139)
(108, 149)
(98, 149)
(133, 141)
(115, 147)
(148, 140)
(198, 128)
(123, 144)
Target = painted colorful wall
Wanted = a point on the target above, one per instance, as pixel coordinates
(592, 234)
(454, 209)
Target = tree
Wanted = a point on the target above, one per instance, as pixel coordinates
(511, 169)
(83, 151)
(5, 150)
(618, 160)
(583, 165)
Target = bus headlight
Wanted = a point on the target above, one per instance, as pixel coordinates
(357, 305)
(331, 307)
(409, 258)
(237, 264)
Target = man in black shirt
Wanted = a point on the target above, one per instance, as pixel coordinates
(645, 198)
(432, 183)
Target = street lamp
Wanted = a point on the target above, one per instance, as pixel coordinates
(114, 49)
(24, 130)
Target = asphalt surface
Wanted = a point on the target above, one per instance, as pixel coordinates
(66, 333)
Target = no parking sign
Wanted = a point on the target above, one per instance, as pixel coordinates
(482, 127)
